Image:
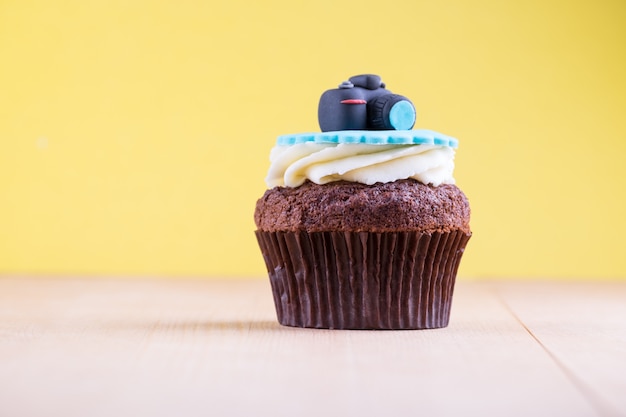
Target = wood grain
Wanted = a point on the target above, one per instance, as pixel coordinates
(103, 347)
(582, 326)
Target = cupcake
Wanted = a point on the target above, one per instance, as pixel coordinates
(362, 226)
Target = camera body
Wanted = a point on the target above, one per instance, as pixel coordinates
(363, 103)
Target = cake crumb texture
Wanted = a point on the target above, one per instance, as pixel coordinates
(404, 205)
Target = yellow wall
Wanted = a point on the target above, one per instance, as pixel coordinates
(134, 135)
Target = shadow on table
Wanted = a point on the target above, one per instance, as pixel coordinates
(187, 326)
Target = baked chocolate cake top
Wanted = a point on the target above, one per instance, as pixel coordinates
(404, 205)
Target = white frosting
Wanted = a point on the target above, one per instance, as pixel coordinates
(321, 163)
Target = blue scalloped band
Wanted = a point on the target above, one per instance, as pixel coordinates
(372, 137)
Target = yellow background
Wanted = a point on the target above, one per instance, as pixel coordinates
(134, 135)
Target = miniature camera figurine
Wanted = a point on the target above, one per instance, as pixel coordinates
(363, 103)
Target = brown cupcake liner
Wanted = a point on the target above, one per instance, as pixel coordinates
(361, 280)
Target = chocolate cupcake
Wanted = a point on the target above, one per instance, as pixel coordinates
(363, 229)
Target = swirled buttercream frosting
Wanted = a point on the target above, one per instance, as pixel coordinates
(324, 162)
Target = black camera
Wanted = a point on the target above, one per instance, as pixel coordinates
(363, 103)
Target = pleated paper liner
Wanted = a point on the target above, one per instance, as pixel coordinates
(352, 280)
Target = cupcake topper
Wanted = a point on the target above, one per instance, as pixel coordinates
(363, 103)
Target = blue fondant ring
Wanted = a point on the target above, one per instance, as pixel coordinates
(372, 137)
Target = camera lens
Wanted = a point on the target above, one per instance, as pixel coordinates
(391, 111)
(402, 115)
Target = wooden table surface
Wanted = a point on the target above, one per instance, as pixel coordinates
(114, 347)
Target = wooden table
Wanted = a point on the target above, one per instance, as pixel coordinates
(107, 347)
